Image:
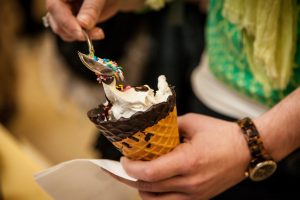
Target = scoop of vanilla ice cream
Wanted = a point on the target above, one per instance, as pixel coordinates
(126, 103)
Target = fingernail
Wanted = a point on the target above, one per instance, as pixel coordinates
(97, 35)
(85, 20)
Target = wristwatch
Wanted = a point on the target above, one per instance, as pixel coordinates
(262, 164)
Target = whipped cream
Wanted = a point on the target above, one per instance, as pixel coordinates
(126, 103)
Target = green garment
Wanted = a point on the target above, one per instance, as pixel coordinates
(233, 58)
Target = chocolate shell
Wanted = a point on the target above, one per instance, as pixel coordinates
(117, 130)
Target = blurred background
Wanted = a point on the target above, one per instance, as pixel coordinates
(45, 91)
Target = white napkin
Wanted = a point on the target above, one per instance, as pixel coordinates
(84, 179)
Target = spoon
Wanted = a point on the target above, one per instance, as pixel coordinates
(92, 62)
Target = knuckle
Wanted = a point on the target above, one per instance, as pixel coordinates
(92, 7)
(92, 17)
(91, 11)
(149, 175)
(193, 184)
(57, 30)
(50, 6)
(64, 24)
(66, 38)
(189, 162)
(67, 28)
(145, 186)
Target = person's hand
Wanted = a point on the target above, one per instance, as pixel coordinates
(213, 157)
(68, 17)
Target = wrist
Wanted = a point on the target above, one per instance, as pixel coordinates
(272, 136)
(262, 165)
(279, 127)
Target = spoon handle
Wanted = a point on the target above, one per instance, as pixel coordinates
(91, 48)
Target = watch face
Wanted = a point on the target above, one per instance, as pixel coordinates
(263, 170)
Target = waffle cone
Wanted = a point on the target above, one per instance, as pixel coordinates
(145, 135)
(152, 142)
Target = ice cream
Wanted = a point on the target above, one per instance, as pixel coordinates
(127, 102)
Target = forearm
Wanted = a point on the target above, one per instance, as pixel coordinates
(280, 126)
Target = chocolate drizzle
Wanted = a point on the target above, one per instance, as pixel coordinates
(107, 79)
(117, 130)
(99, 114)
(142, 88)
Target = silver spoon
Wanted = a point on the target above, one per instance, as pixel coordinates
(89, 61)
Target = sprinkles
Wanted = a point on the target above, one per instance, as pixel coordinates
(105, 69)
(117, 70)
(122, 87)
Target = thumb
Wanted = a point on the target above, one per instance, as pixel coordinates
(186, 125)
(89, 13)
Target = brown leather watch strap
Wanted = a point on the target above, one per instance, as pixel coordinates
(254, 142)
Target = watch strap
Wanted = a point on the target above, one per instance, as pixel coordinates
(255, 143)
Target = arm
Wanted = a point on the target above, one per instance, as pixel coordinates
(280, 127)
(214, 155)
(64, 20)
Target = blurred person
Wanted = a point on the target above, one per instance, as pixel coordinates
(249, 52)
(8, 39)
(16, 166)
(23, 148)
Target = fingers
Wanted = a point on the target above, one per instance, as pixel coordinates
(96, 34)
(190, 123)
(177, 183)
(56, 29)
(62, 21)
(66, 25)
(89, 13)
(161, 168)
(163, 196)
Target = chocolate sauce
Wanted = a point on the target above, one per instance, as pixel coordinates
(107, 79)
(96, 115)
(100, 114)
(142, 88)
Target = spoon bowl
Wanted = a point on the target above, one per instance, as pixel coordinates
(93, 63)
(95, 66)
